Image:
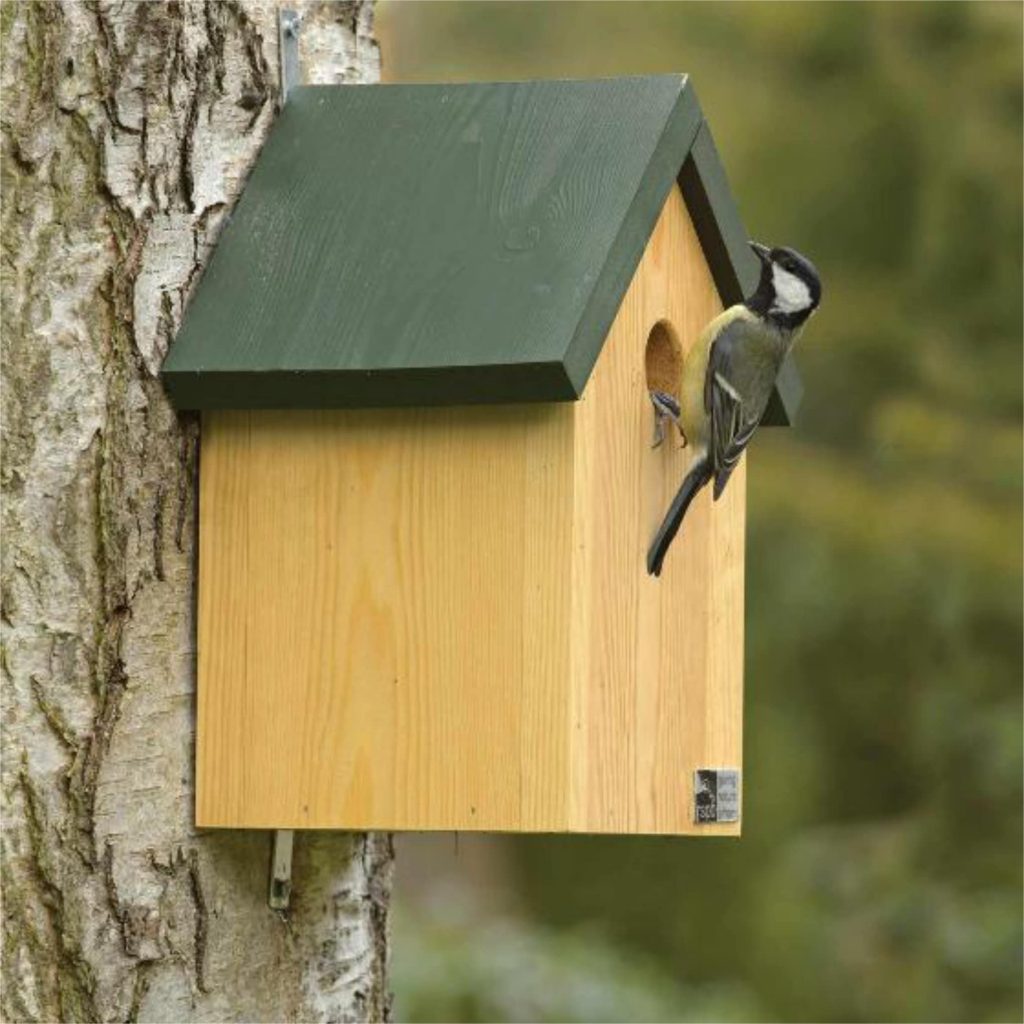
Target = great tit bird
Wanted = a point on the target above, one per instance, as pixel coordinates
(729, 374)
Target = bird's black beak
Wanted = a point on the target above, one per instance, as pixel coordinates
(762, 252)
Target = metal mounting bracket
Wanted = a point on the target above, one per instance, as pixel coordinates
(281, 869)
(288, 24)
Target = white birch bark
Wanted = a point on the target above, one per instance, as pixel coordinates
(128, 129)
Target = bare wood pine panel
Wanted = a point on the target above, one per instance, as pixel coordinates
(659, 681)
(440, 618)
(394, 659)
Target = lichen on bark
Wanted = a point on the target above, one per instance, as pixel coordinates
(127, 132)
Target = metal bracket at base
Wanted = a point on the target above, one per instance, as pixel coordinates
(281, 869)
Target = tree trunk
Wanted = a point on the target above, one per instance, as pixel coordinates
(128, 130)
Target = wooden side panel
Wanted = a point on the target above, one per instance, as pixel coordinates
(657, 681)
(383, 622)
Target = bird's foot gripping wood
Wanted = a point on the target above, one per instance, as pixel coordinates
(666, 409)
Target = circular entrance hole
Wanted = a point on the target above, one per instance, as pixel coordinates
(663, 360)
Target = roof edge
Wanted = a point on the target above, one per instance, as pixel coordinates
(517, 383)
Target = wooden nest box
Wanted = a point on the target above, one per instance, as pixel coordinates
(422, 351)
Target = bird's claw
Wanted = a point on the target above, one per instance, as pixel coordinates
(665, 408)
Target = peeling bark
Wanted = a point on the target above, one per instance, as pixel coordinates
(127, 132)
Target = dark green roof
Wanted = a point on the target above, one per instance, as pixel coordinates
(446, 244)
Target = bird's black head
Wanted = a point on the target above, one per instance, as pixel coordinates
(789, 290)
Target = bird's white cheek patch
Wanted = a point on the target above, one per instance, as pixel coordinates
(791, 294)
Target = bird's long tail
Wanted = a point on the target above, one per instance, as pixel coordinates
(698, 476)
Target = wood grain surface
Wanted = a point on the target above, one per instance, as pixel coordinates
(440, 618)
(658, 682)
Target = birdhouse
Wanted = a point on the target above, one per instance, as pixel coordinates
(423, 350)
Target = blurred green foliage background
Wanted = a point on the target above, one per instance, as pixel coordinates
(879, 875)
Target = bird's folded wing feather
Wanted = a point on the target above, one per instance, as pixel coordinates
(734, 419)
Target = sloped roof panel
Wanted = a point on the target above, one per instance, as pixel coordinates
(434, 244)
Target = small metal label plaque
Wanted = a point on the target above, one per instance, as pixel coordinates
(716, 795)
